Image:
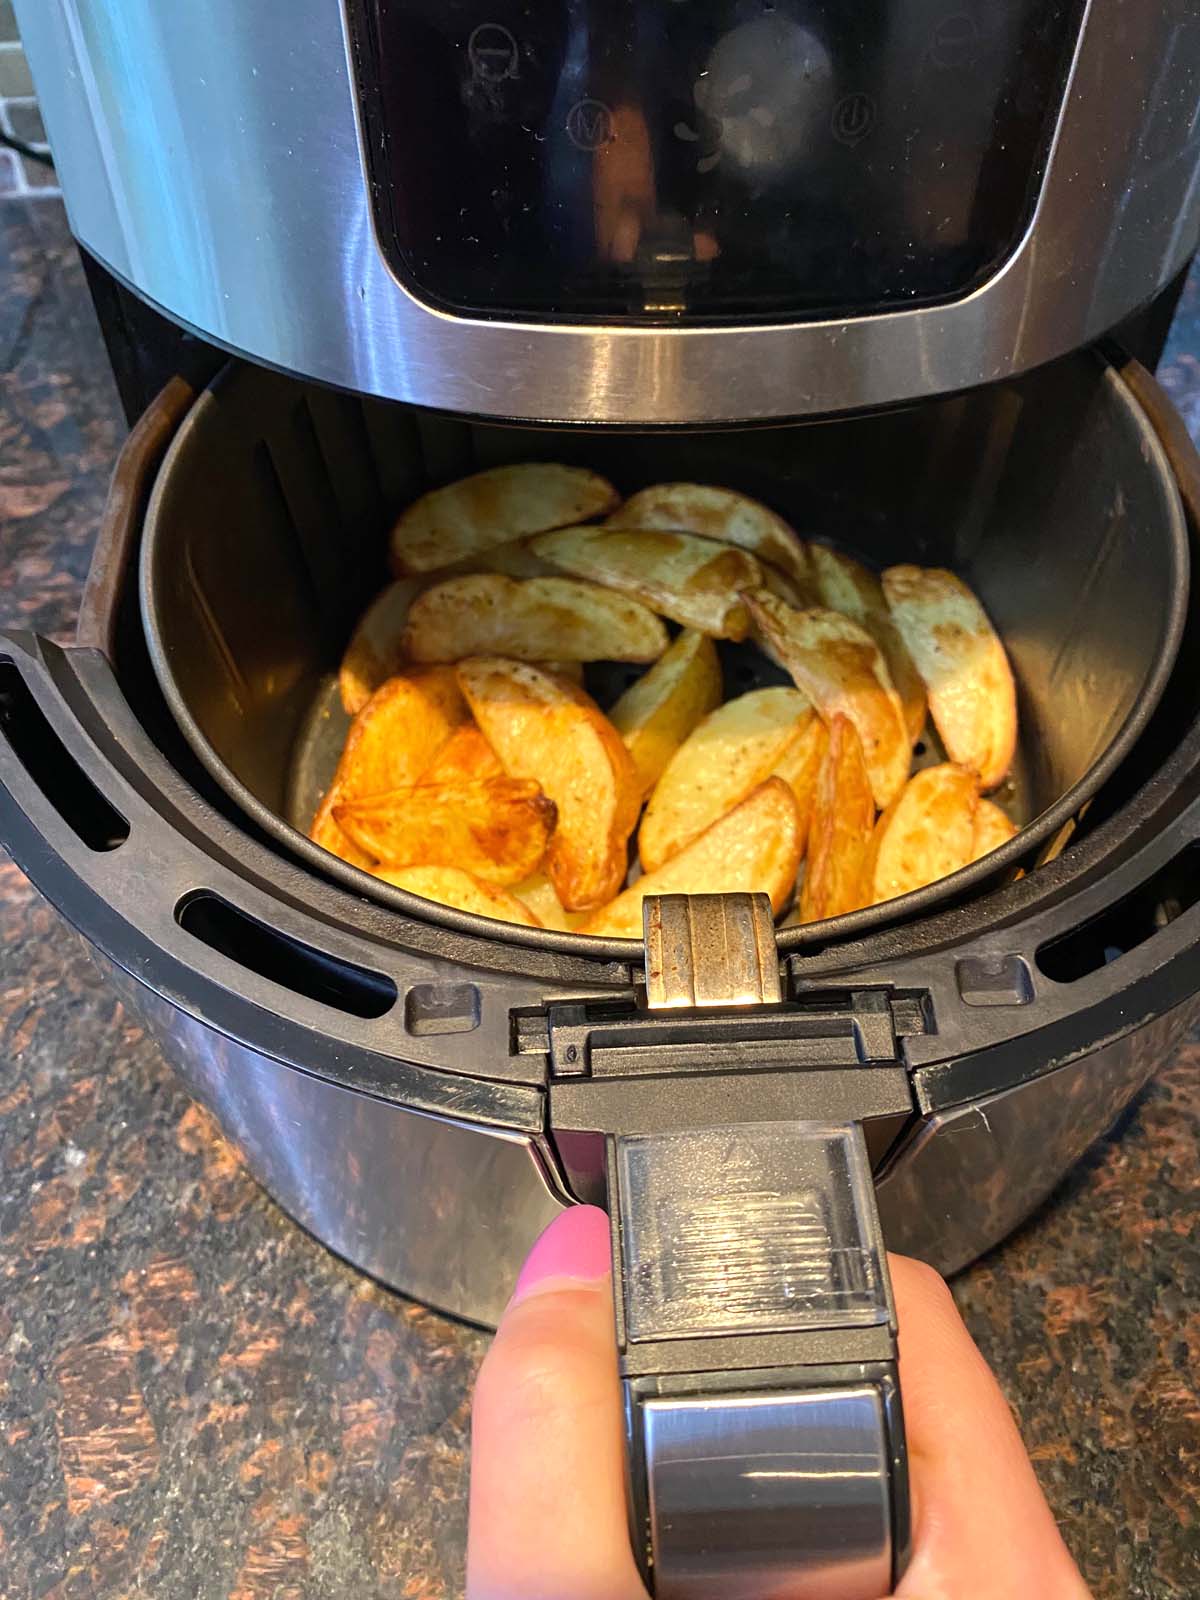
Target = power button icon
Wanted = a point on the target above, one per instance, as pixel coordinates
(853, 118)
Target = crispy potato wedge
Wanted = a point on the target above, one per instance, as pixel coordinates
(392, 740)
(718, 514)
(925, 834)
(658, 712)
(399, 732)
(752, 849)
(842, 670)
(495, 828)
(535, 619)
(992, 829)
(537, 893)
(374, 652)
(325, 832)
(546, 729)
(692, 580)
(844, 584)
(734, 749)
(450, 886)
(800, 766)
(972, 697)
(839, 835)
(494, 508)
(466, 757)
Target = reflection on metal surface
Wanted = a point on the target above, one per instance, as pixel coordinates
(221, 174)
(759, 1478)
(440, 1210)
(967, 1177)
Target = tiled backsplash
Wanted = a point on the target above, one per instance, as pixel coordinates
(20, 175)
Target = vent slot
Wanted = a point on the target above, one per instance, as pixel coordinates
(1153, 906)
(53, 768)
(293, 965)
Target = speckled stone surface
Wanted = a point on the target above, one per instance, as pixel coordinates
(197, 1400)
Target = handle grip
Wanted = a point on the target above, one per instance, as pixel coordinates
(756, 1331)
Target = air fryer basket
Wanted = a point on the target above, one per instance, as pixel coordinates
(266, 536)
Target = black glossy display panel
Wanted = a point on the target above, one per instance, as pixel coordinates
(665, 159)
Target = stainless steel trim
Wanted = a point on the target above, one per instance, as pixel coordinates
(444, 1211)
(210, 157)
(758, 1495)
(965, 1178)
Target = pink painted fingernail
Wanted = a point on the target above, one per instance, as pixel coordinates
(574, 1249)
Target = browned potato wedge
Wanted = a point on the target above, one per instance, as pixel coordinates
(466, 757)
(925, 834)
(657, 713)
(329, 836)
(537, 893)
(718, 514)
(753, 849)
(992, 829)
(736, 747)
(494, 508)
(391, 742)
(536, 619)
(450, 886)
(845, 585)
(494, 828)
(800, 767)
(841, 669)
(546, 729)
(693, 581)
(839, 835)
(972, 697)
(374, 653)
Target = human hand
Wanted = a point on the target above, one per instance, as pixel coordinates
(547, 1518)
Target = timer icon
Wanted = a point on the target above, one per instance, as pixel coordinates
(853, 118)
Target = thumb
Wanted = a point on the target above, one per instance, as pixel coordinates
(547, 1515)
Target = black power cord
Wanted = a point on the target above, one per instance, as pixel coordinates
(27, 150)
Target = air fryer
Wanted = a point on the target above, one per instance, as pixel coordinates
(436, 240)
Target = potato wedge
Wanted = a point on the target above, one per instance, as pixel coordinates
(537, 894)
(992, 829)
(839, 835)
(731, 752)
(718, 514)
(325, 832)
(495, 828)
(494, 508)
(399, 732)
(546, 729)
(925, 834)
(535, 619)
(466, 757)
(800, 766)
(693, 581)
(374, 652)
(752, 849)
(657, 713)
(972, 697)
(844, 584)
(392, 740)
(450, 886)
(842, 670)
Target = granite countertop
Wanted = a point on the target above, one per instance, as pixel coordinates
(196, 1399)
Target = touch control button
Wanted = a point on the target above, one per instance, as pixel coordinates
(493, 53)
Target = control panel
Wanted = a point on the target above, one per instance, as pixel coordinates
(704, 160)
